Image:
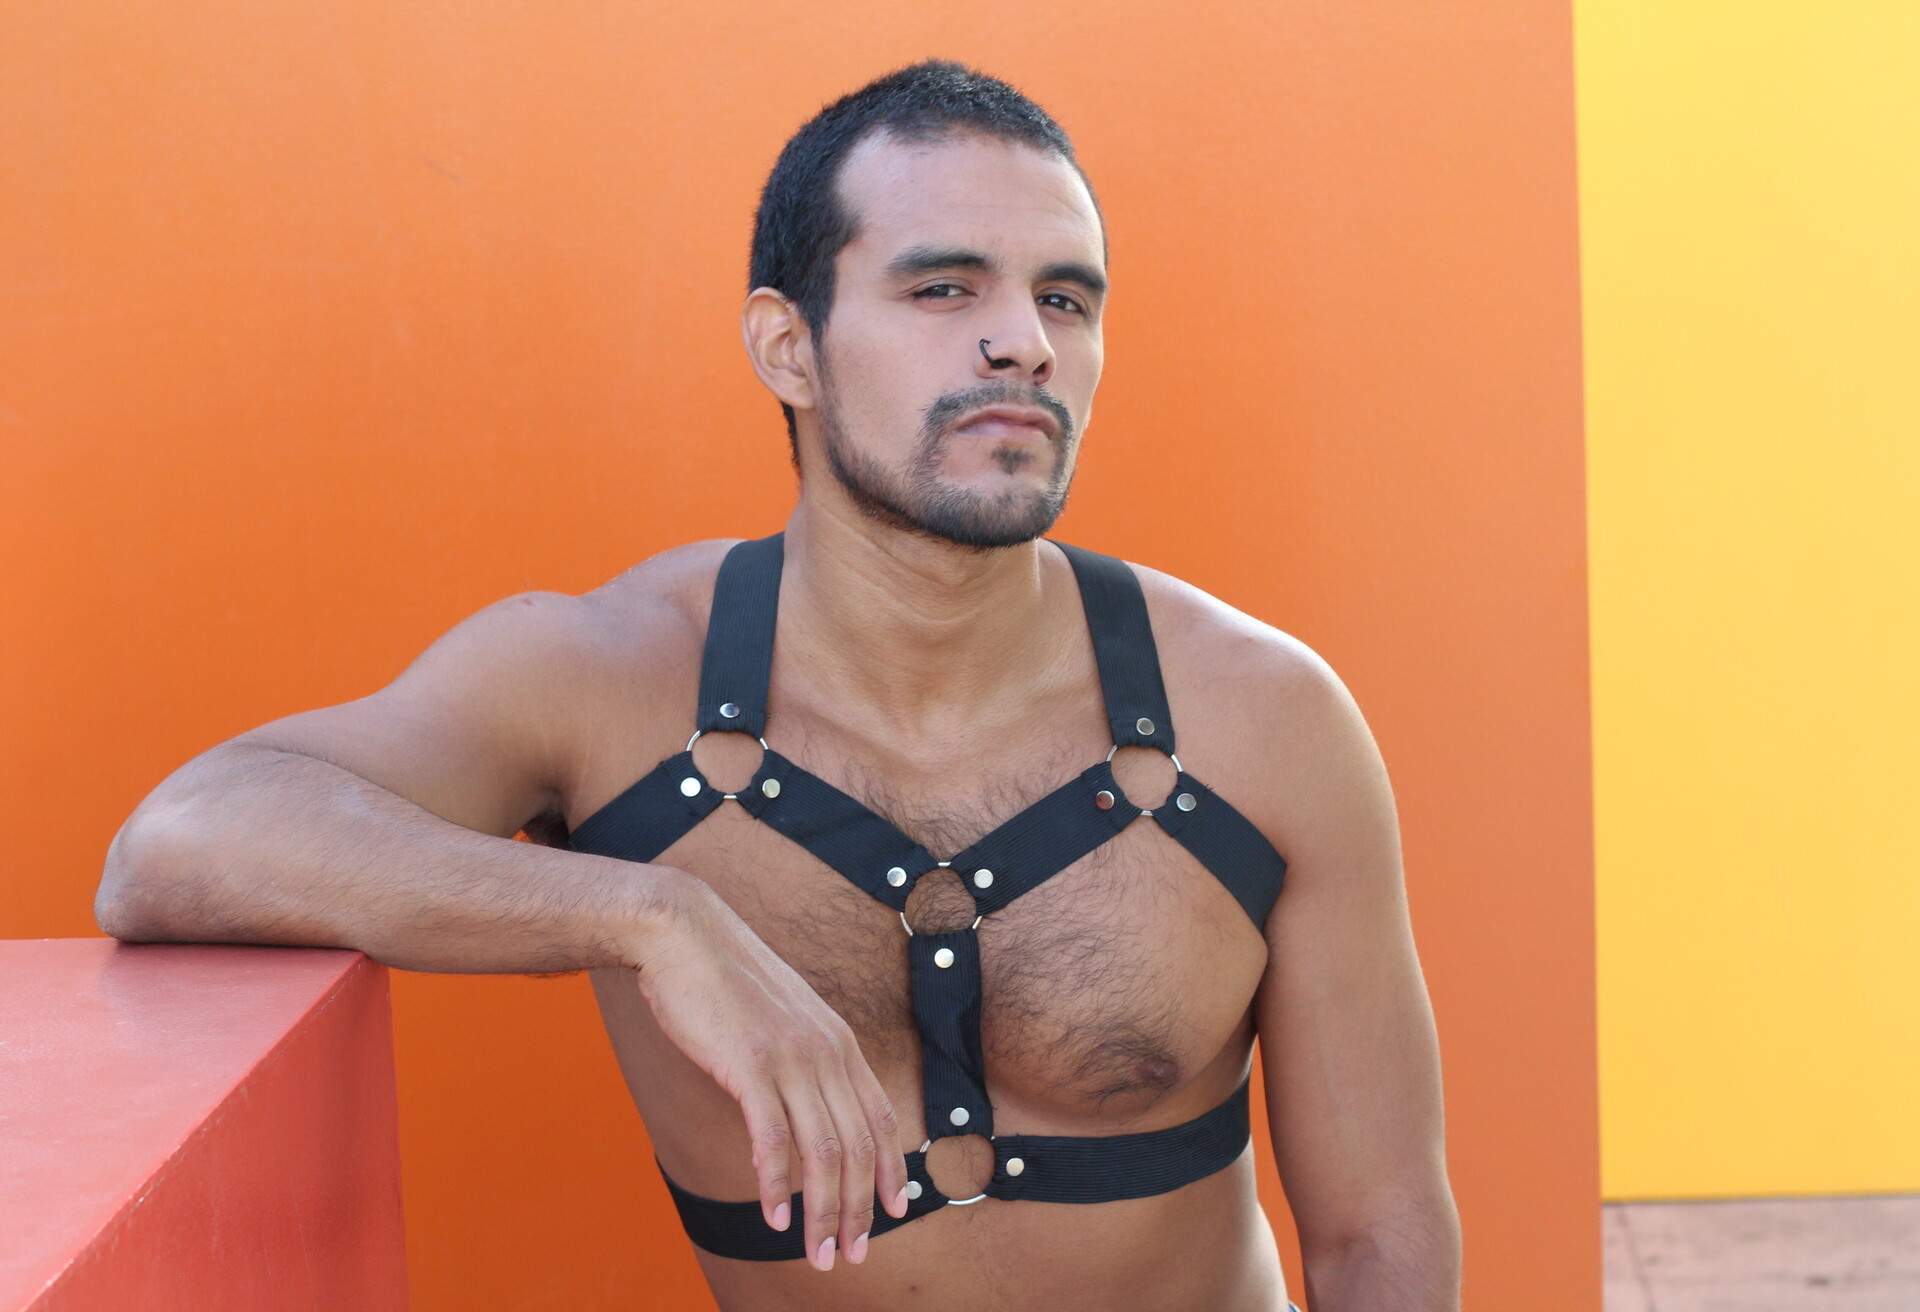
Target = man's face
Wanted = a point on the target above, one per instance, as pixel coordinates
(967, 238)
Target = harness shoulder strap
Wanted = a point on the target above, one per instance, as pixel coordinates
(738, 659)
(1123, 648)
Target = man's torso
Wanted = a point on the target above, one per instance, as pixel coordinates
(1117, 995)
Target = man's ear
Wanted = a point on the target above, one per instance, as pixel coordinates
(779, 345)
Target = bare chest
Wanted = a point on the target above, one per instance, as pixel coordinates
(1110, 992)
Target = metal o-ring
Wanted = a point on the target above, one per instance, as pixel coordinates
(909, 928)
(1170, 756)
(1178, 770)
(956, 1202)
(762, 741)
(730, 797)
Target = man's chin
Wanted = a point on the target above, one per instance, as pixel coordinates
(951, 512)
(969, 522)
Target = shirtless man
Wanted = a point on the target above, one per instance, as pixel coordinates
(776, 1014)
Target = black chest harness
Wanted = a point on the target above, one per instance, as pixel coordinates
(1018, 855)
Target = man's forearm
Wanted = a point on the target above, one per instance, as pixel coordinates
(1410, 1263)
(262, 846)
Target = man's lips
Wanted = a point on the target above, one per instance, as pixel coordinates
(1000, 428)
(1008, 421)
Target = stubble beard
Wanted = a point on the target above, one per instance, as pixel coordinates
(917, 501)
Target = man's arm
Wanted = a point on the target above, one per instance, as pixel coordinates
(1347, 1037)
(385, 823)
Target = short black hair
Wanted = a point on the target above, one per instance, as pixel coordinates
(800, 225)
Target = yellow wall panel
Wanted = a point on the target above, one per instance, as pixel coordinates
(1750, 215)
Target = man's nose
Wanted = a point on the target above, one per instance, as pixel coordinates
(1022, 351)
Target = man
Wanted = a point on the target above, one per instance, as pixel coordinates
(927, 288)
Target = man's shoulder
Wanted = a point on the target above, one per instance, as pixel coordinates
(661, 600)
(1285, 718)
(1197, 631)
(637, 635)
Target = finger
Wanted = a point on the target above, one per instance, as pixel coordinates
(856, 1159)
(772, 1139)
(818, 1142)
(890, 1166)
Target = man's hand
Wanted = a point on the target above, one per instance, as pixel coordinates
(751, 1022)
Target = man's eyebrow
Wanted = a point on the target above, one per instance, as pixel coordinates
(915, 260)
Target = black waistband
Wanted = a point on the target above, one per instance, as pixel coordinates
(1051, 1169)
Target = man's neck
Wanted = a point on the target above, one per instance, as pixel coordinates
(923, 637)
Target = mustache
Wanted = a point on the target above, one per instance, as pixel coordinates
(950, 407)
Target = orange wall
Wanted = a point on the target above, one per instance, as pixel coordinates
(325, 326)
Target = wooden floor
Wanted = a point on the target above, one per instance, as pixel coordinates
(1764, 1255)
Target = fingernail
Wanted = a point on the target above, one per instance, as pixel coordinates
(858, 1253)
(900, 1201)
(781, 1215)
(826, 1254)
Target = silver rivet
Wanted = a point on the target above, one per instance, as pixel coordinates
(896, 876)
(1145, 726)
(1103, 799)
(1185, 802)
(943, 957)
(729, 710)
(959, 1116)
(771, 787)
(690, 787)
(982, 878)
(913, 1189)
(1015, 1166)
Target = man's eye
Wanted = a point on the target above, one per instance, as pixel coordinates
(932, 293)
